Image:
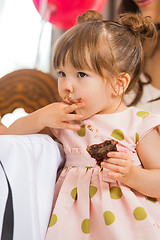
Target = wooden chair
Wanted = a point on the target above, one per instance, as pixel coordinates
(29, 89)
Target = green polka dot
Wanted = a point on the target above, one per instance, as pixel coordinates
(115, 192)
(87, 168)
(118, 134)
(142, 114)
(53, 220)
(92, 191)
(85, 226)
(137, 137)
(82, 131)
(109, 217)
(152, 199)
(74, 193)
(139, 213)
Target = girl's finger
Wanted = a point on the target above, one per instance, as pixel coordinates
(70, 108)
(120, 155)
(116, 161)
(111, 167)
(73, 107)
(80, 105)
(70, 126)
(114, 175)
(71, 117)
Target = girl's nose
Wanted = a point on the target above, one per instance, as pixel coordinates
(68, 86)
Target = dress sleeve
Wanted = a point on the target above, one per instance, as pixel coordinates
(147, 124)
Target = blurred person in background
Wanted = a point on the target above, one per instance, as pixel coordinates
(147, 91)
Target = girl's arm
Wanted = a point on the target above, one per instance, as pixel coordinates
(144, 180)
(55, 115)
(2, 128)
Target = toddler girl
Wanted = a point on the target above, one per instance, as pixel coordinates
(96, 62)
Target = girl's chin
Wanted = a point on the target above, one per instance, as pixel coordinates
(144, 3)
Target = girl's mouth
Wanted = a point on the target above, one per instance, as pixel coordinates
(143, 3)
(68, 100)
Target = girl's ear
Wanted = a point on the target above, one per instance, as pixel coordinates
(122, 83)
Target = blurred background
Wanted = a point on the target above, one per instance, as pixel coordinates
(25, 40)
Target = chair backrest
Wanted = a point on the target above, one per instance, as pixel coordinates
(30, 89)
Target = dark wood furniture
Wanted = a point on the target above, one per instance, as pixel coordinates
(30, 89)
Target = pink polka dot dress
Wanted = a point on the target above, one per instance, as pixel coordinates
(87, 203)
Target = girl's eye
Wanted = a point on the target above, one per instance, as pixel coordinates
(61, 74)
(81, 74)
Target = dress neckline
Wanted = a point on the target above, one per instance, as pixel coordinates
(112, 114)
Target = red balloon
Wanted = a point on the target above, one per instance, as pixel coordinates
(63, 13)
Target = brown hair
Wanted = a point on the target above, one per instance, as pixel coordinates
(106, 47)
(128, 6)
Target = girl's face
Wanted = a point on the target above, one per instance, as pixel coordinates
(74, 86)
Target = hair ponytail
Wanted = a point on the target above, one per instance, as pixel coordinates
(90, 15)
(142, 27)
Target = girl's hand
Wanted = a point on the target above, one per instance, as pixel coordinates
(121, 166)
(55, 115)
(60, 115)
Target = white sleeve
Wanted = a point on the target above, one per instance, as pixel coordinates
(30, 163)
